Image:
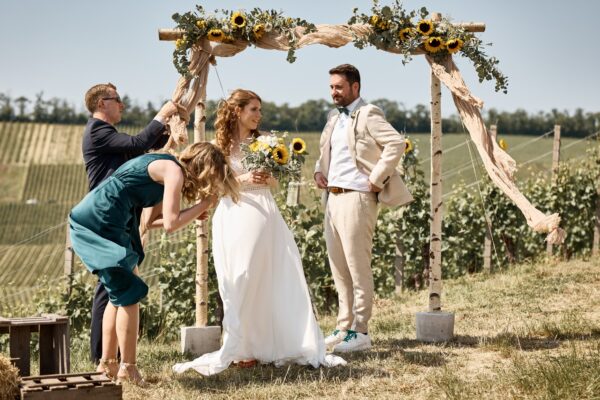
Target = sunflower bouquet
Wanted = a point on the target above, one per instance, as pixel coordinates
(271, 153)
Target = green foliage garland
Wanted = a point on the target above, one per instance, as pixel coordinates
(393, 28)
(230, 26)
(407, 32)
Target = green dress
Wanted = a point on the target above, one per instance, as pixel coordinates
(105, 228)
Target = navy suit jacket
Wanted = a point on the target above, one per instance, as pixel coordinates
(105, 149)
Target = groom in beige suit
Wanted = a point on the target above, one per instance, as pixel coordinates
(360, 151)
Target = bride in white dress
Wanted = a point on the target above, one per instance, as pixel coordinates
(268, 312)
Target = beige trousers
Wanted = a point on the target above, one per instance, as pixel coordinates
(350, 220)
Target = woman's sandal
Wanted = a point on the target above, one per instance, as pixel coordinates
(246, 363)
(108, 366)
(128, 372)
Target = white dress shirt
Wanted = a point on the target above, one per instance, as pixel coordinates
(343, 172)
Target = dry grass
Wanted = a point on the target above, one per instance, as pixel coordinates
(532, 332)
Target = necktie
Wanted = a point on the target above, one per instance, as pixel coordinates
(343, 110)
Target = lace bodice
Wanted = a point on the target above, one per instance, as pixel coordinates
(235, 159)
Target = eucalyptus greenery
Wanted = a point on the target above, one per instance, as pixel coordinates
(227, 26)
(404, 32)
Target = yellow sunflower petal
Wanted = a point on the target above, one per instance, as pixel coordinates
(409, 146)
(425, 27)
(434, 44)
(503, 145)
(238, 20)
(280, 154)
(406, 33)
(258, 30)
(298, 145)
(454, 45)
(216, 35)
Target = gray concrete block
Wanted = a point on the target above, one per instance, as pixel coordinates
(435, 326)
(199, 340)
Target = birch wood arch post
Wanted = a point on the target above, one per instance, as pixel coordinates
(497, 163)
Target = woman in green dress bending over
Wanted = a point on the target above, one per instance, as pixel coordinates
(105, 234)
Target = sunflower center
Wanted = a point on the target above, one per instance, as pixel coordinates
(435, 42)
(424, 27)
(297, 146)
(239, 20)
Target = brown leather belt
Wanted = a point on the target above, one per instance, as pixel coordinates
(337, 190)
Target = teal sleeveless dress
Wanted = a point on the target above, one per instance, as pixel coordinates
(105, 228)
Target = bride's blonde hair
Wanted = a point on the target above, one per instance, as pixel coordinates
(226, 122)
(207, 173)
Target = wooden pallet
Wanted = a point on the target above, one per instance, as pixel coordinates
(54, 342)
(88, 386)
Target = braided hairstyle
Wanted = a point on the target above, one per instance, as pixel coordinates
(226, 123)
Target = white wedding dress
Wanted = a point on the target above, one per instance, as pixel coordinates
(268, 311)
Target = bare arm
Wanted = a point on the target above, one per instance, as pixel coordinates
(173, 218)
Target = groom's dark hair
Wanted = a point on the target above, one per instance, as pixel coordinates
(349, 71)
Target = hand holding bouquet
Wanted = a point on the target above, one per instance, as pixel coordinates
(270, 153)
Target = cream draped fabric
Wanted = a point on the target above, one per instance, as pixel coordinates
(498, 164)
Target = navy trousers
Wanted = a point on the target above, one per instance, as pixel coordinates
(98, 306)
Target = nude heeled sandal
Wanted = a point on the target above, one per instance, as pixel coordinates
(128, 372)
(108, 366)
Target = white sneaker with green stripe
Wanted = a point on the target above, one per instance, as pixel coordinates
(336, 337)
(354, 341)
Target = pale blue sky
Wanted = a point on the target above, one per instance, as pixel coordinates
(548, 49)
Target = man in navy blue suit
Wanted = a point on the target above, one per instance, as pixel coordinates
(104, 150)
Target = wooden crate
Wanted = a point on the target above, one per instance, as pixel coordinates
(54, 343)
(88, 386)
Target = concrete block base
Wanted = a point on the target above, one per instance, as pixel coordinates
(198, 340)
(435, 326)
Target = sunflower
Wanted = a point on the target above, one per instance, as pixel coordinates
(201, 24)
(409, 146)
(383, 25)
(280, 154)
(254, 147)
(434, 44)
(406, 33)
(503, 145)
(238, 20)
(259, 30)
(216, 35)
(298, 146)
(454, 45)
(374, 20)
(425, 27)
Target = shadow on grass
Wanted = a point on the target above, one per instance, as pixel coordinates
(236, 378)
(500, 341)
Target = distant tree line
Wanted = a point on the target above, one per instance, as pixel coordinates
(311, 115)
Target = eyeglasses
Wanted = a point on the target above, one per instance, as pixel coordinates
(117, 99)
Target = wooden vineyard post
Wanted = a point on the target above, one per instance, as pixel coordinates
(435, 325)
(201, 232)
(435, 229)
(487, 241)
(555, 167)
(69, 260)
(596, 242)
(201, 338)
(399, 266)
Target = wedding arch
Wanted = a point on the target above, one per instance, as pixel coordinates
(201, 37)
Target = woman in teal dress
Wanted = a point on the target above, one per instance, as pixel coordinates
(105, 232)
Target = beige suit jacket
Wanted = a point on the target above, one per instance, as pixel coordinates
(376, 148)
